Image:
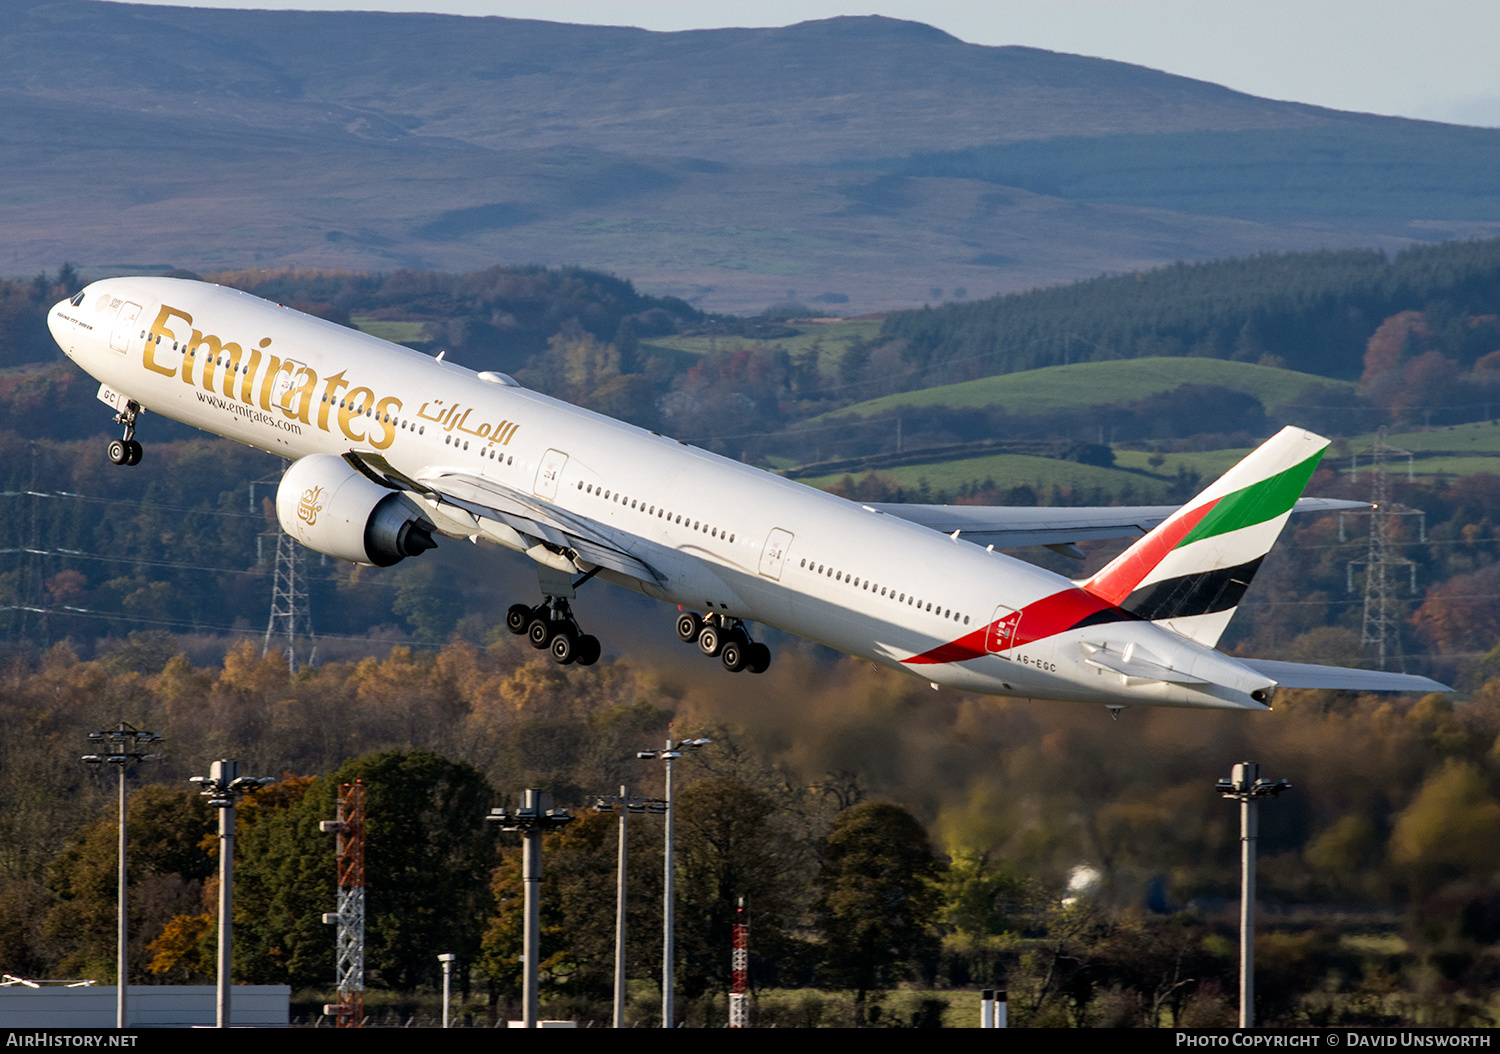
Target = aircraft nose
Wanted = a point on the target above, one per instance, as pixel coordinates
(63, 331)
(54, 319)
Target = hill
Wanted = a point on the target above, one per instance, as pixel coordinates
(727, 167)
(1316, 311)
(1088, 384)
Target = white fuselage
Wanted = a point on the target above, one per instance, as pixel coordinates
(859, 581)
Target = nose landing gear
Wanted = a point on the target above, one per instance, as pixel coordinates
(726, 638)
(126, 451)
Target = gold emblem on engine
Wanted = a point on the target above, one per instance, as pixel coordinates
(309, 506)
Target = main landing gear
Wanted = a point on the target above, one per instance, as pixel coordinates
(725, 637)
(550, 627)
(126, 451)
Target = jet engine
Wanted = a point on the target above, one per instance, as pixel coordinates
(329, 506)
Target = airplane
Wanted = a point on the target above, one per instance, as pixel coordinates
(391, 448)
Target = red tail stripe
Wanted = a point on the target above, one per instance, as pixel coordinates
(1117, 581)
(1041, 618)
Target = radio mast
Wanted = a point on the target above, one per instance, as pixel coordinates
(349, 825)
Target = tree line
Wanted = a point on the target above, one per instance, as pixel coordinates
(883, 835)
(1309, 311)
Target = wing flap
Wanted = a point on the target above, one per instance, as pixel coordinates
(524, 513)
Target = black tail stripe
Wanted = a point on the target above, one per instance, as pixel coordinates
(1197, 594)
(1100, 618)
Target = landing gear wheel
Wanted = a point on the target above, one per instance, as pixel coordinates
(689, 626)
(539, 632)
(710, 640)
(132, 452)
(733, 656)
(517, 618)
(588, 650)
(119, 453)
(564, 647)
(758, 658)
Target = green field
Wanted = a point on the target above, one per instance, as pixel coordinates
(834, 337)
(1014, 470)
(1096, 383)
(1457, 450)
(395, 332)
(1209, 464)
(1482, 437)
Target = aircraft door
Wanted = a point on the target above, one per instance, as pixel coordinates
(119, 337)
(774, 553)
(548, 473)
(1002, 632)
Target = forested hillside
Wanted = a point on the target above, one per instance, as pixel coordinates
(1313, 312)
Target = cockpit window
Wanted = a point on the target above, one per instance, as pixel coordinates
(77, 298)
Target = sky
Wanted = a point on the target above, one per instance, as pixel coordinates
(1430, 59)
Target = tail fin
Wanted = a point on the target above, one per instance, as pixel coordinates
(1190, 572)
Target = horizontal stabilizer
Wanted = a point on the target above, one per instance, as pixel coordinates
(1015, 527)
(1306, 675)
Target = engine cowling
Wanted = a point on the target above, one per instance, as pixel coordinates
(329, 506)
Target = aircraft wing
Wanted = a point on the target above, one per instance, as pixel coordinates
(1306, 675)
(1011, 527)
(524, 513)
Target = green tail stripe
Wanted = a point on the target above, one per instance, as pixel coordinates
(1256, 503)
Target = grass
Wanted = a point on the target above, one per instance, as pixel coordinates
(1013, 470)
(1094, 383)
(395, 332)
(1455, 450)
(1209, 464)
(1481, 437)
(834, 335)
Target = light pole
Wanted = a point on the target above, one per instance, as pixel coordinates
(1245, 784)
(627, 806)
(670, 753)
(223, 787)
(447, 960)
(532, 819)
(122, 746)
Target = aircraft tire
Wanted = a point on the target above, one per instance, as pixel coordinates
(539, 632)
(689, 626)
(733, 656)
(758, 658)
(710, 640)
(517, 618)
(118, 452)
(564, 647)
(133, 452)
(588, 650)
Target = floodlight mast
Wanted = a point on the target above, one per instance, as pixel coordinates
(224, 786)
(1246, 785)
(627, 805)
(668, 754)
(533, 819)
(122, 746)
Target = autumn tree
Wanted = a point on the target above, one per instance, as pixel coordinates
(168, 862)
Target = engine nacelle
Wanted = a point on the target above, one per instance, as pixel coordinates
(329, 506)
